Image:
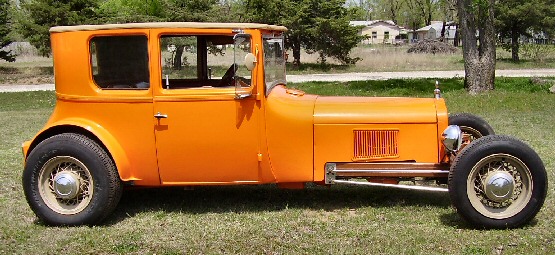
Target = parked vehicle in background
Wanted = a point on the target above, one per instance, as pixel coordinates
(188, 104)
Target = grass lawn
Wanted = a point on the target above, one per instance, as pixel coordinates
(267, 220)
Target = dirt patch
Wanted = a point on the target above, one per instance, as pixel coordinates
(433, 47)
(26, 75)
(32, 80)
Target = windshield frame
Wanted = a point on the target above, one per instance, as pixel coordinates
(274, 61)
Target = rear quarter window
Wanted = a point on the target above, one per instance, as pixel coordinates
(120, 62)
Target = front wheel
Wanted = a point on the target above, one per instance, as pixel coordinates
(472, 125)
(70, 180)
(497, 182)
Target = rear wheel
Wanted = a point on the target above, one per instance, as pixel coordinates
(70, 180)
(497, 182)
(471, 124)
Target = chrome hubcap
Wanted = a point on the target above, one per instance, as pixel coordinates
(66, 185)
(499, 186)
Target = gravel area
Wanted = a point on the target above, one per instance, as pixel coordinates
(347, 77)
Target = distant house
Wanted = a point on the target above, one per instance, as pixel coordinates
(380, 31)
(433, 31)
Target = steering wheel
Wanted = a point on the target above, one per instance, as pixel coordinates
(228, 76)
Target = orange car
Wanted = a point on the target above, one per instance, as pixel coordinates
(186, 104)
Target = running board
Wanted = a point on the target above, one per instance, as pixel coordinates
(399, 186)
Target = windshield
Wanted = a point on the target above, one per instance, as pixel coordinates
(274, 62)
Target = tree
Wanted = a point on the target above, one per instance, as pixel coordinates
(515, 18)
(40, 15)
(332, 36)
(477, 17)
(5, 29)
(317, 26)
(413, 16)
(123, 11)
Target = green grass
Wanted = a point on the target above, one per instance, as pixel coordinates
(264, 219)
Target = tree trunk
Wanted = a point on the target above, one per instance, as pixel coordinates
(457, 36)
(478, 53)
(515, 46)
(296, 54)
(443, 39)
(177, 58)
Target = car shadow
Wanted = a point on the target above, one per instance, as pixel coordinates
(263, 198)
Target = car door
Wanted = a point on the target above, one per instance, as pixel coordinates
(204, 133)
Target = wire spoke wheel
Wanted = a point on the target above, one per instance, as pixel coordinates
(66, 185)
(499, 186)
(472, 133)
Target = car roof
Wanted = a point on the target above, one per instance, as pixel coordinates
(60, 29)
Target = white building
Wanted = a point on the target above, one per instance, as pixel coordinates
(380, 31)
(433, 31)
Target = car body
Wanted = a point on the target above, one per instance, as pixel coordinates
(143, 104)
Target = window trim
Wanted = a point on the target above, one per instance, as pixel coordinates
(90, 62)
(206, 90)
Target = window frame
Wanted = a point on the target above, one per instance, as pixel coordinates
(92, 78)
(202, 75)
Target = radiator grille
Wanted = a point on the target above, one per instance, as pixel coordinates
(375, 144)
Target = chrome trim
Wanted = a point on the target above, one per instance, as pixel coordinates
(409, 169)
(331, 169)
(159, 115)
(241, 96)
(400, 186)
(452, 138)
(391, 171)
(437, 91)
(66, 185)
(499, 186)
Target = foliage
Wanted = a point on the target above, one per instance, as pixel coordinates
(121, 11)
(5, 29)
(192, 10)
(317, 26)
(411, 14)
(39, 15)
(515, 18)
(537, 52)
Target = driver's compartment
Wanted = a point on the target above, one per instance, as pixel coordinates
(201, 61)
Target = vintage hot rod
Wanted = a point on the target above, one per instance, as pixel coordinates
(185, 104)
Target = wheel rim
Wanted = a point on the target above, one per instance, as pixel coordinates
(473, 133)
(65, 185)
(499, 186)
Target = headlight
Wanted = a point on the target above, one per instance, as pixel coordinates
(452, 138)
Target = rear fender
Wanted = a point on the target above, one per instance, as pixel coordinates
(89, 128)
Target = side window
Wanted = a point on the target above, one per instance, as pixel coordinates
(120, 62)
(200, 61)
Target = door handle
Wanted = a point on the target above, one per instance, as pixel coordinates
(159, 115)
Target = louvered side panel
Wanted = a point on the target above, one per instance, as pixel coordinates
(375, 144)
